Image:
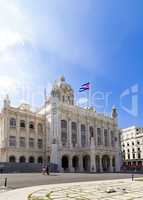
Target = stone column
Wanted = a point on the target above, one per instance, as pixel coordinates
(69, 134)
(87, 135)
(79, 133)
(111, 166)
(93, 165)
(100, 160)
(71, 169)
(81, 163)
(17, 131)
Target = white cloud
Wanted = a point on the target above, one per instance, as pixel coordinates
(9, 38)
(83, 101)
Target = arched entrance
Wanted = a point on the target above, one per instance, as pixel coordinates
(106, 163)
(12, 159)
(97, 161)
(22, 159)
(86, 163)
(65, 163)
(75, 163)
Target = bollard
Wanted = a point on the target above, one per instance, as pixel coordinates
(5, 182)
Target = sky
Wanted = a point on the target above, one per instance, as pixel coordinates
(96, 41)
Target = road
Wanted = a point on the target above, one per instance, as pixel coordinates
(33, 179)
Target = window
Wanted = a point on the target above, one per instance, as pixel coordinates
(12, 141)
(113, 139)
(22, 142)
(91, 131)
(138, 142)
(22, 124)
(133, 143)
(31, 125)
(12, 159)
(64, 132)
(12, 123)
(31, 142)
(106, 141)
(128, 144)
(99, 139)
(40, 143)
(74, 133)
(83, 135)
(133, 156)
(40, 128)
(139, 155)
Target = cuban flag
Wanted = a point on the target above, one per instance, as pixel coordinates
(84, 87)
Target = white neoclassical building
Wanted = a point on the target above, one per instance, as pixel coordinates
(62, 134)
(132, 147)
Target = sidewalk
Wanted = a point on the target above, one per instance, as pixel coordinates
(99, 190)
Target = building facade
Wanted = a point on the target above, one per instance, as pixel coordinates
(62, 134)
(132, 148)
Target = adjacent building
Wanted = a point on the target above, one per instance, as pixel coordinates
(132, 148)
(65, 136)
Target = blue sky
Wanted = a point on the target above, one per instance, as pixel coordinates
(100, 41)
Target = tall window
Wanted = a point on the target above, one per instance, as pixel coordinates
(31, 143)
(74, 133)
(64, 132)
(12, 122)
(40, 128)
(12, 141)
(106, 139)
(99, 138)
(112, 139)
(91, 132)
(40, 143)
(31, 126)
(83, 135)
(22, 142)
(22, 124)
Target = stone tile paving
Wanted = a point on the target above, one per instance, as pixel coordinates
(105, 190)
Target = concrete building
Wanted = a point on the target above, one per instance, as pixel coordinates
(132, 147)
(70, 138)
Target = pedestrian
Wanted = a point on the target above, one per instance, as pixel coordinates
(43, 170)
(47, 170)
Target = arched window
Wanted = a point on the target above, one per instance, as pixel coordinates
(83, 135)
(31, 159)
(40, 128)
(40, 160)
(12, 122)
(31, 125)
(99, 139)
(74, 133)
(12, 159)
(64, 132)
(22, 124)
(22, 159)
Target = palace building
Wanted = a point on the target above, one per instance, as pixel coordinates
(132, 148)
(65, 136)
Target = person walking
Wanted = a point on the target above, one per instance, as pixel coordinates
(47, 170)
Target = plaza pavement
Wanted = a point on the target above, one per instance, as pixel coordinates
(123, 189)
